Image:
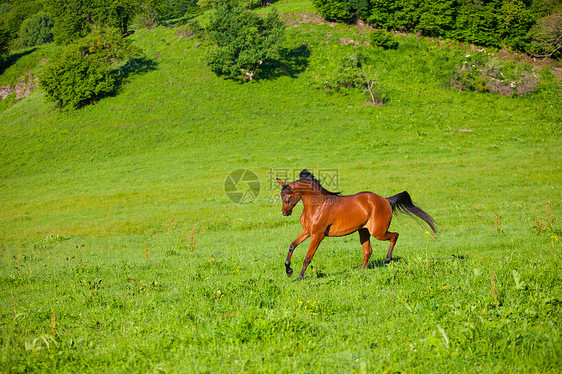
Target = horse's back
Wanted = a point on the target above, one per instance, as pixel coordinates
(373, 200)
(379, 211)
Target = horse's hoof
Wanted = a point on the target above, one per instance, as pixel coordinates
(289, 272)
(388, 260)
(299, 278)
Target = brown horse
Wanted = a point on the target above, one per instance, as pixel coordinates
(328, 213)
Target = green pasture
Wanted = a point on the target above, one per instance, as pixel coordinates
(121, 252)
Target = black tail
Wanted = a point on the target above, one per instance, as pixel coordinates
(403, 203)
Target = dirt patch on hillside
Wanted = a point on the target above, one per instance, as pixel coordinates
(296, 19)
(22, 88)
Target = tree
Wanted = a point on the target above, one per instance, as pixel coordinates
(4, 41)
(36, 30)
(76, 18)
(334, 10)
(243, 40)
(14, 15)
(83, 73)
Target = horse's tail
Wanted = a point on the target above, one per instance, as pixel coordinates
(402, 203)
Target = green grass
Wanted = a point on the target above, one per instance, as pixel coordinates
(120, 251)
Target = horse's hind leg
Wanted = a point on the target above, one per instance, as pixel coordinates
(393, 237)
(365, 238)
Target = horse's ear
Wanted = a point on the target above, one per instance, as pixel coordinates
(280, 182)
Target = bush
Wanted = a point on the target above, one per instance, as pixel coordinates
(482, 73)
(243, 40)
(383, 39)
(36, 30)
(83, 73)
(334, 10)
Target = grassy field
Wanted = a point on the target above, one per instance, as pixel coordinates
(121, 252)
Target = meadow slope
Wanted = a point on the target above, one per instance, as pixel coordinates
(120, 250)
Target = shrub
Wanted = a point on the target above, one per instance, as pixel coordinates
(482, 73)
(83, 73)
(334, 10)
(36, 30)
(383, 39)
(343, 10)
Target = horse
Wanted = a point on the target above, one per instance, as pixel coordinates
(328, 213)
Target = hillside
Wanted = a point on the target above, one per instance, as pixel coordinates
(121, 251)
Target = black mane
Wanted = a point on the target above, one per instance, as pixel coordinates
(306, 175)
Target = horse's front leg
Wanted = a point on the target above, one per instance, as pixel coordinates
(314, 243)
(301, 238)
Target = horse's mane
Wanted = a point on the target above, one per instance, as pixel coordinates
(306, 175)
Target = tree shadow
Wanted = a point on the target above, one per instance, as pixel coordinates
(13, 58)
(135, 66)
(261, 3)
(179, 21)
(294, 62)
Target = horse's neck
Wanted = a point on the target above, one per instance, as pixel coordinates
(307, 191)
(313, 198)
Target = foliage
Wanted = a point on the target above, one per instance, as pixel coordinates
(150, 13)
(178, 8)
(75, 18)
(17, 13)
(334, 10)
(5, 8)
(4, 43)
(192, 28)
(243, 40)
(547, 36)
(484, 73)
(496, 23)
(514, 22)
(383, 39)
(83, 71)
(353, 71)
(36, 30)
(154, 11)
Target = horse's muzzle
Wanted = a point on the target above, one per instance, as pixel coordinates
(286, 214)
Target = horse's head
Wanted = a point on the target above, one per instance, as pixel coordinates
(289, 198)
